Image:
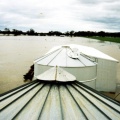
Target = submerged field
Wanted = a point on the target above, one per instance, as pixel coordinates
(110, 39)
(17, 54)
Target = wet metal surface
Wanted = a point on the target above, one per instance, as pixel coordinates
(57, 101)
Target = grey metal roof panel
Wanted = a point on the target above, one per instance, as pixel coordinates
(55, 100)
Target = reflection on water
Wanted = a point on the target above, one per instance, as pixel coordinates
(17, 54)
(101, 41)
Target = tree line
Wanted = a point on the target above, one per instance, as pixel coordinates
(72, 33)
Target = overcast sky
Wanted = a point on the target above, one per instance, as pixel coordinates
(60, 15)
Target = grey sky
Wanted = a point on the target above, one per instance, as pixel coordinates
(62, 15)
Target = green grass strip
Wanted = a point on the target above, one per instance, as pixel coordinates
(110, 39)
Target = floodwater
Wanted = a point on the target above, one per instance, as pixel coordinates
(17, 54)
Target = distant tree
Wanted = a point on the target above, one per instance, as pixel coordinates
(31, 32)
(7, 29)
(67, 33)
(101, 34)
(72, 33)
(14, 30)
(50, 33)
(57, 33)
(17, 32)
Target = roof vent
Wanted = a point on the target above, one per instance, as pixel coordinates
(66, 46)
(73, 53)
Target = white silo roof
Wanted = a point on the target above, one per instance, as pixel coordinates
(65, 56)
(88, 51)
(56, 74)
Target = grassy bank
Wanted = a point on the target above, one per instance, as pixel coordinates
(111, 39)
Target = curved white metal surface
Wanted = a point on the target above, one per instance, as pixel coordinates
(65, 57)
(56, 74)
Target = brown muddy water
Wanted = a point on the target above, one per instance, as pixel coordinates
(17, 54)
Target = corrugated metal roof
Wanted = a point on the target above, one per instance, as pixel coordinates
(65, 56)
(88, 51)
(57, 101)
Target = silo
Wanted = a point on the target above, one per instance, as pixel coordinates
(83, 67)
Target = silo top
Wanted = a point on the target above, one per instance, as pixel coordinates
(56, 74)
(66, 57)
